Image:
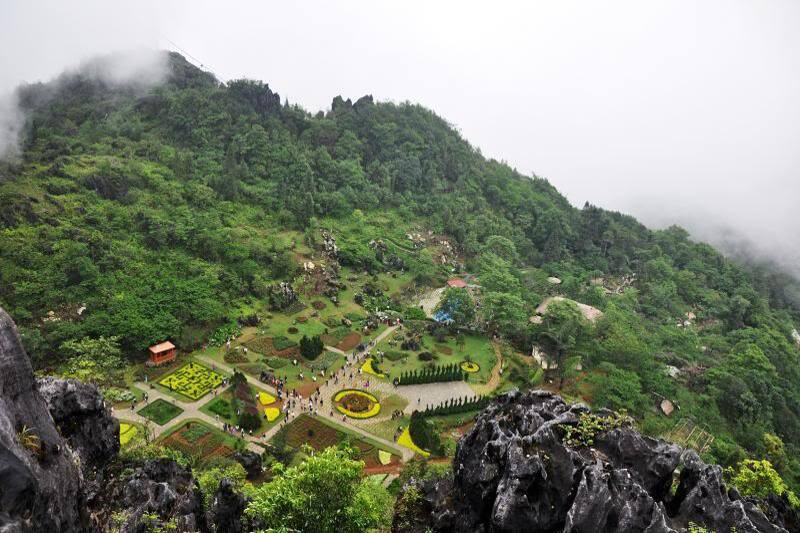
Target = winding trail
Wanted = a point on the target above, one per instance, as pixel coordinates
(494, 379)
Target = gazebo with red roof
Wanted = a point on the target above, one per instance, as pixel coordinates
(162, 353)
(457, 283)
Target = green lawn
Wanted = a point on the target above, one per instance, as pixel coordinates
(160, 411)
(479, 348)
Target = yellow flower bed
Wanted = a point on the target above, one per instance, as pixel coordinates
(405, 440)
(367, 367)
(266, 398)
(384, 457)
(372, 411)
(470, 367)
(126, 433)
(272, 413)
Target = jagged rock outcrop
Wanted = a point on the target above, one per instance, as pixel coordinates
(514, 472)
(81, 415)
(251, 462)
(227, 508)
(163, 488)
(40, 482)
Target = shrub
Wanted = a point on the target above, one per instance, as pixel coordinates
(292, 330)
(458, 405)
(425, 356)
(249, 421)
(395, 355)
(310, 348)
(433, 374)
(424, 433)
(277, 362)
(221, 407)
(231, 330)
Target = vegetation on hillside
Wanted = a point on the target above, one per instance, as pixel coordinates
(137, 217)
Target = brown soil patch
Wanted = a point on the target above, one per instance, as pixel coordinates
(289, 353)
(329, 340)
(319, 305)
(349, 341)
(302, 319)
(441, 348)
(308, 388)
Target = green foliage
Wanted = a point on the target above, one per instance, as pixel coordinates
(589, 426)
(209, 480)
(281, 343)
(311, 347)
(324, 493)
(457, 405)
(433, 374)
(92, 360)
(424, 433)
(160, 411)
(759, 479)
(457, 304)
(224, 333)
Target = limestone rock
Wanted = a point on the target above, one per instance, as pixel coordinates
(514, 472)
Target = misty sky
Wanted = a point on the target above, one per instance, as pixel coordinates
(673, 111)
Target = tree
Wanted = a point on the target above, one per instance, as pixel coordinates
(311, 347)
(503, 312)
(759, 479)
(457, 304)
(562, 327)
(324, 493)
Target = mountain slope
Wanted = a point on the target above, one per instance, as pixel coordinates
(164, 212)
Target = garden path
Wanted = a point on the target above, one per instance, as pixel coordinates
(494, 381)
(190, 410)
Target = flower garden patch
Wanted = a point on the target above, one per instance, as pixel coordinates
(192, 380)
(470, 366)
(356, 403)
(126, 433)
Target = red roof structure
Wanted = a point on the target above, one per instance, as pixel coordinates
(162, 352)
(457, 283)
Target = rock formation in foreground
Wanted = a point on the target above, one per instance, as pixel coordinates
(513, 472)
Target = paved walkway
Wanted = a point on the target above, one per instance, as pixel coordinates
(191, 410)
(418, 396)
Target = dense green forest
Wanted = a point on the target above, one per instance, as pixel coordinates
(148, 215)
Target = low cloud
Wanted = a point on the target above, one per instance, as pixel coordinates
(136, 70)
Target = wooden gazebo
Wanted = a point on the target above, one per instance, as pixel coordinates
(161, 353)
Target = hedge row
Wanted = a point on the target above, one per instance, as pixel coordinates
(433, 374)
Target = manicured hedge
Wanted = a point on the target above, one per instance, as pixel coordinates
(432, 374)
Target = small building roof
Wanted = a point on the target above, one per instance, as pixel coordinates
(457, 282)
(162, 347)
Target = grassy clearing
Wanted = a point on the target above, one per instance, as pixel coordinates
(160, 411)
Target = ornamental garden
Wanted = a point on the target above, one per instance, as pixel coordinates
(192, 380)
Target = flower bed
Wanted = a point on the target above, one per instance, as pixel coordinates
(369, 369)
(470, 367)
(272, 413)
(126, 433)
(405, 440)
(192, 380)
(356, 403)
(265, 398)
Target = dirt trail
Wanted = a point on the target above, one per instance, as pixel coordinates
(494, 379)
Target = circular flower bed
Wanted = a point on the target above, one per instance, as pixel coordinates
(470, 367)
(356, 403)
